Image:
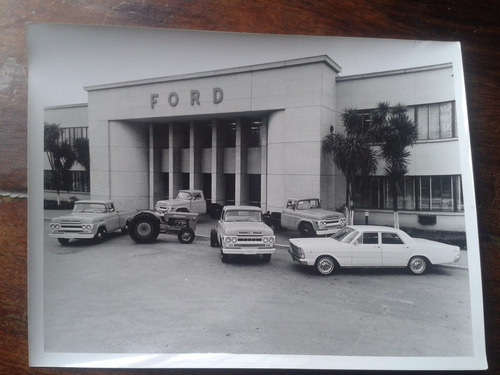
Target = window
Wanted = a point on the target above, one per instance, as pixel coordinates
(415, 193)
(70, 134)
(79, 181)
(370, 238)
(391, 239)
(434, 121)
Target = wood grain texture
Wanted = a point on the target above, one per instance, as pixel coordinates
(474, 23)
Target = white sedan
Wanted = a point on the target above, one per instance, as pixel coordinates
(371, 246)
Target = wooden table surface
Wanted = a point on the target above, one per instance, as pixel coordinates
(474, 23)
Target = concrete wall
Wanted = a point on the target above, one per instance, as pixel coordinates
(297, 96)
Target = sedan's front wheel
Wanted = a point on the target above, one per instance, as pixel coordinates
(417, 265)
(325, 265)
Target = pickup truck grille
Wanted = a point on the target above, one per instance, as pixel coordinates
(333, 223)
(250, 239)
(71, 228)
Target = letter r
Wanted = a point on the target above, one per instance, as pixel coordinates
(195, 97)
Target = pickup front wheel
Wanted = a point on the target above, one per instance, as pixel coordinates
(144, 228)
(63, 241)
(101, 233)
(306, 230)
(214, 241)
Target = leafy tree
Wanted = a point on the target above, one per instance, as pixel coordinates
(351, 153)
(61, 158)
(395, 133)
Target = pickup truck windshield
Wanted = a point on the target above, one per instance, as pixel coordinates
(242, 216)
(89, 207)
(184, 195)
(308, 204)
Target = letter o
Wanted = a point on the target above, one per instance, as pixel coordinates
(173, 99)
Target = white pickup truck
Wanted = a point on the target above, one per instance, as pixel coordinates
(186, 201)
(306, 216)
(90, 219)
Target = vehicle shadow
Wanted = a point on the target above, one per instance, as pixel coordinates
(77, 245)
(373, 271)
(246, 260)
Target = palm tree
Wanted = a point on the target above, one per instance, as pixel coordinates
(61, 158)
(394, 132)
(81, 147)
(351, 153)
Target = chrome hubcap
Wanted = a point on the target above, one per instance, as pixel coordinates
(144, 229)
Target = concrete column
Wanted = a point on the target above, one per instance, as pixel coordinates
(218, 186)
(195, 149)
(263, 165)
(241, 175)
(151, 168)
(174, 160)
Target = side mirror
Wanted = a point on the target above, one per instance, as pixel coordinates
(356, 243)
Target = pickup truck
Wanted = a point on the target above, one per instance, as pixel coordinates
(186, 201)
(90, 219)
(306, 216)
(240, 230)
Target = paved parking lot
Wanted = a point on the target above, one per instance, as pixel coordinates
(119, 296)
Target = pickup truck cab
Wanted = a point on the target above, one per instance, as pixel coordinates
(240, 230)
(306, 216)
(90, 219)
(186, 201)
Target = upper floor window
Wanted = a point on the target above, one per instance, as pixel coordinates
(70, 134)
(434, 121)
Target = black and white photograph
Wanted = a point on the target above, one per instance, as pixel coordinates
(224, 200)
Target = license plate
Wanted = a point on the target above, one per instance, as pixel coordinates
(250, 252)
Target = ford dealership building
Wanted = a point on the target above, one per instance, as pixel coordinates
(253, 135)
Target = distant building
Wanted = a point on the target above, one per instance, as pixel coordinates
(253, 135)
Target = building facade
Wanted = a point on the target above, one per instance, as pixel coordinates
(253, 135)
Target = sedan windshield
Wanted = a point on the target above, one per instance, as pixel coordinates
(345, 235)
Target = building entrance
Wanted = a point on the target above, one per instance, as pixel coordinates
(223, 157)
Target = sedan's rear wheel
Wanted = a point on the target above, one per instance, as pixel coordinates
(417, 265)
(325, 265)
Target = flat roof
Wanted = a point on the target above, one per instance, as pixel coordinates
(213, 73)
(395, 72)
